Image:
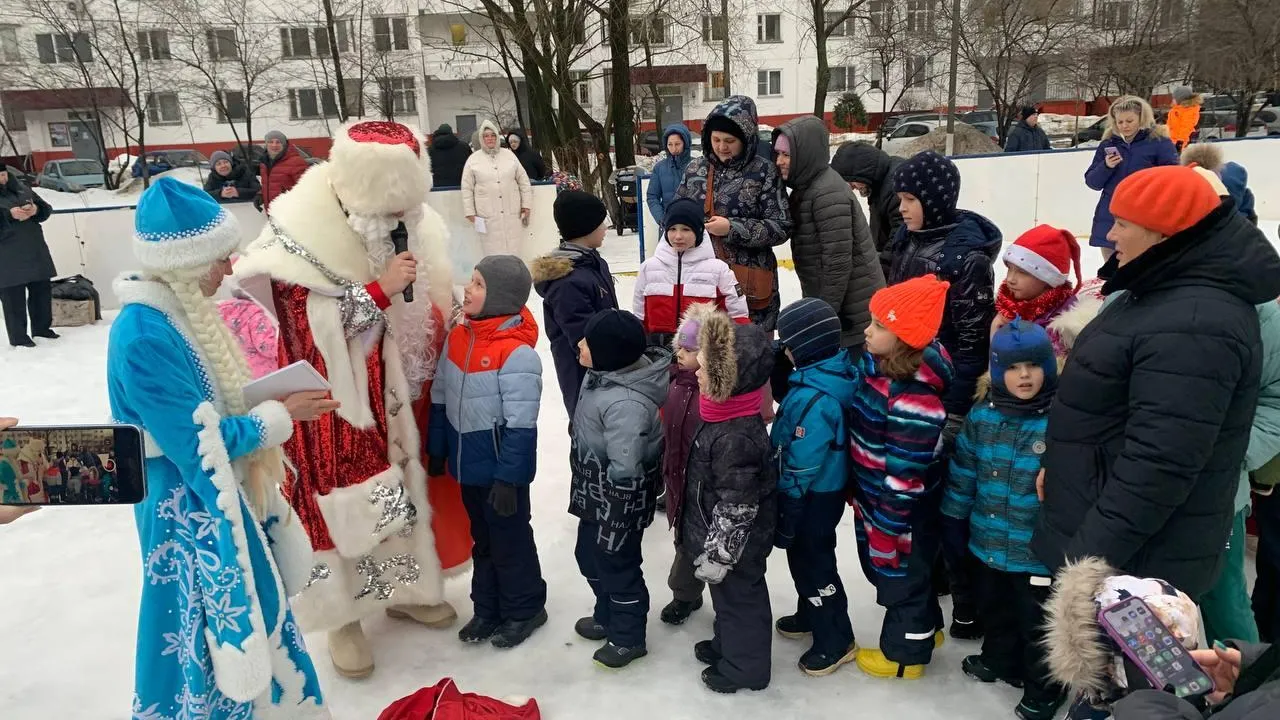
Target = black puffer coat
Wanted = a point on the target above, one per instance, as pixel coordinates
(530, 159)
(1153, 413)
(24, 255)
(963, 254)
(448, 156)
(730, 502)
(830, 241)
(241, 177)
(873, 167)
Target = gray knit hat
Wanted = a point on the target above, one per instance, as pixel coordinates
(275, 135)
(1182, 93)
(219, 155)
(507, 285)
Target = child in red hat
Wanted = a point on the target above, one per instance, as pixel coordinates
(1038, 287)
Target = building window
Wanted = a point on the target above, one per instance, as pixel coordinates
(398, 96)
(919, 16)
(880, 16)
(295, 42)
(581, 87)
(875, 79)
(713, 89)
(841, 80)
(458, 33)
(61, 48)
(154, 44)
(842, 28)
(648, 29)
(15, 120)
(1170, 13)
(222, 44)
(163, 109)
(232, 107)
(918, 71)
(390, 33)
(714, 28)
(768, 82)
(1113, 15)
(9, 51)
(769, 28)
(354, 93)
(311, 104)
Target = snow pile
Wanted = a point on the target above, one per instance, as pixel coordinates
(125, 196)
(842, 138)
(969, 140)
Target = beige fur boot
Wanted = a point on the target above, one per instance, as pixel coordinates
(349, 650)
(433, 616)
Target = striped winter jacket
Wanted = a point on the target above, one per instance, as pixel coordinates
(485, 399)
(992, 484)
(895, 431)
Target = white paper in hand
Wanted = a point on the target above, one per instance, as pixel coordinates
(480, 228)
(296, 378)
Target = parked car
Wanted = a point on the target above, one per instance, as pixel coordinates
(975, 117)
(1270, 116)
(253, 154)
(990, 127)
(1221, 124)
(73, 175)
(1093, 133)
(28, 179)
(166, 159)
(905, 132)
(893, 122)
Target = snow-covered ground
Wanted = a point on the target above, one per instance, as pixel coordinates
(70, 580)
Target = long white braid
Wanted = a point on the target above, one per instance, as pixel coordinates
(230, 374)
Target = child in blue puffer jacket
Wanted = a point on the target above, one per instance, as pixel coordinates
(812, 438)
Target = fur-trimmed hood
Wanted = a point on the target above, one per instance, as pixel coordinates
(691, 323)
(1077, 653)
(735, 358)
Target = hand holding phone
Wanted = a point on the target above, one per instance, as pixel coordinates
(1153, 649)
(71, 465)
(1113, 157)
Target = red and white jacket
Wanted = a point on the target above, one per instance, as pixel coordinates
(669, 282)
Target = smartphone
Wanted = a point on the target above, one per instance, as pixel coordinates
(1146, 641)
(72, 465)
(1111, 151)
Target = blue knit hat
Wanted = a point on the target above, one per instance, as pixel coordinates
(1022, 341)
(810, 329)
(177, 226)
(935, 181)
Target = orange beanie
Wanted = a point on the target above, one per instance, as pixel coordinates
(1167, 199)
(912, 310)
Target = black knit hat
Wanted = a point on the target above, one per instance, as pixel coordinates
(723, 123)
(810, 329)
(1027, 111)
(684, 211)
(616, 339)
(935, 181)
(578, 214)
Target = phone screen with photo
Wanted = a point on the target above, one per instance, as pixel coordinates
(72, 465)
(1145, 639)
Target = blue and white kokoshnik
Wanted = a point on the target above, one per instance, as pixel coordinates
(178, 226)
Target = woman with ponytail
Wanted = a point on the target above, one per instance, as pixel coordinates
(221, 552)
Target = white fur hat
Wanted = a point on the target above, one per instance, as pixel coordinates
(379, 168)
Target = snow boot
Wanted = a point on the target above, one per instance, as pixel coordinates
(588, 628)
(677, 611)
(965, 626)
(435, 617)
(791, 626)
(817, 664)
(975, 667)
(513, 632)
(704, 651)
(716, 682)
(478, 629)
(349, 651)
(1038, 708)
(46, 334)
(616, 657)
(873, 662)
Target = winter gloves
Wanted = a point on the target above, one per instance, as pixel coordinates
(709, 571)
(503, 498)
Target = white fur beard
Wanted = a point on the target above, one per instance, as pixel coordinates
(412, 324)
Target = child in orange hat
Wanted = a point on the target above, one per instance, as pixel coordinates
(1038, 287)
(895, 425)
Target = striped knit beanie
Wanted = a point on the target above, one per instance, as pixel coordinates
(810, 329)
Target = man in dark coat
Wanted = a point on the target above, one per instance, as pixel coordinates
(1026, 135)
(830, 241)
(26, 267)
(448, 156)
(229, 182)
(1154, 410)
(529, 158)
(575, 284)
(869, 170)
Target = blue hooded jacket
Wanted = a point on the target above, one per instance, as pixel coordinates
(669, 173)
(1236, 178)
(810, 431)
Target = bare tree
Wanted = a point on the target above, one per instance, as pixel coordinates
(899, 50)
(1237, 51)
(1140, 45)
(824, 20)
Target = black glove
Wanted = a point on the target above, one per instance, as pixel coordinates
(503, 498)
(780, 378)
(257, 202)
(435, 466)
(955, 536)
(790, 511)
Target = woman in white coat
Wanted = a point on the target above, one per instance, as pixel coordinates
(496, 190)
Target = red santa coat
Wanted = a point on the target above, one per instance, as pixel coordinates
(383, 535)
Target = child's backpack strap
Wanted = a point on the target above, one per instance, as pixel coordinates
(841, 435)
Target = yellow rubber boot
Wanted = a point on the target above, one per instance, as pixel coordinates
(873, 662)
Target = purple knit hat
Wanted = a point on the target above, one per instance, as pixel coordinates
(686, 337)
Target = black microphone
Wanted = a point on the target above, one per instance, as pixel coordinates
(400, 240)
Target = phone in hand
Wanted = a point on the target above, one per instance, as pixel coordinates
(1153, 649)
(72, 465)
(1111, 151)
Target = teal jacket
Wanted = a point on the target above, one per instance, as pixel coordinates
(1264, 439)
(810, 431)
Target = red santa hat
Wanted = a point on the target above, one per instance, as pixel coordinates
(1047, 253)
(379, 167)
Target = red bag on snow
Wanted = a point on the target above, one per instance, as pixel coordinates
(444, 701)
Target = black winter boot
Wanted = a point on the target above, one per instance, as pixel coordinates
(975, 667)
(965, 625)
(616, 657)
(792, 626)
(677, 611)
(716, 682)
(704, 651)
(817, 664)
(1038, 708)
(478, 629)
(513, 632)
(588, 628)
